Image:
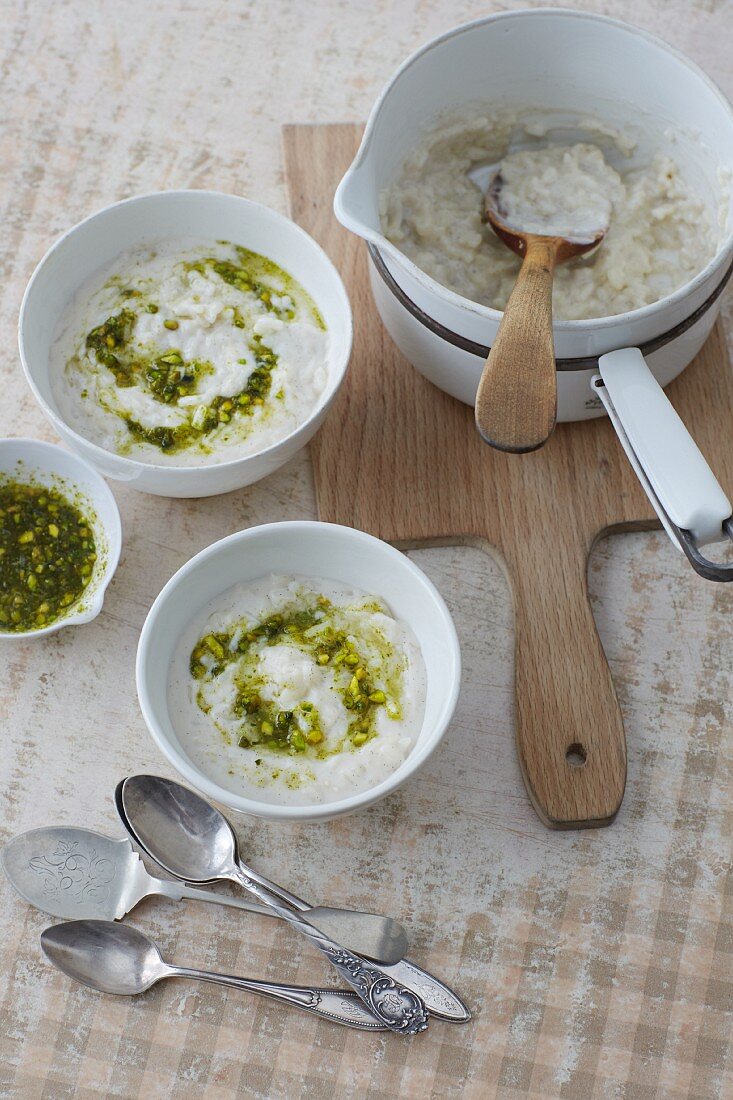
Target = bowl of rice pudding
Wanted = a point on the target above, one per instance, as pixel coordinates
(571, 105)
(188, 342)
(298, 671)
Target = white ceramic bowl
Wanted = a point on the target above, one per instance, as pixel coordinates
(317, 550)
(96, 242)
(29, 460)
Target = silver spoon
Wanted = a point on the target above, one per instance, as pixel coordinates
(371, 934)
(193, 841)
(440, 1000)
(74, 873)
(116, 958)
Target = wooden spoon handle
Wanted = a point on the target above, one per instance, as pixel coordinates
(569, 730)
(516, 403)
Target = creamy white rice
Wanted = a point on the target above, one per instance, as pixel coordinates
(297, 690)
(660, 233)
(189, 353)
(561, 191)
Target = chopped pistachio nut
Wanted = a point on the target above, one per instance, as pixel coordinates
(47, 555)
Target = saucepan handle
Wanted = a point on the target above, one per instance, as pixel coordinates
(682, 488)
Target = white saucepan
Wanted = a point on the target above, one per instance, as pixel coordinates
(577, 65)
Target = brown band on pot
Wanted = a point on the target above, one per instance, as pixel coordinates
(588, 362)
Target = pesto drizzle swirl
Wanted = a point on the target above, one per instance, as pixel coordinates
(299, 731)
(167, 376)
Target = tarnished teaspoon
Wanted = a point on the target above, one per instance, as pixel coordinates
(116, 958)
(371, 934)
(76, 873)
(193, 841)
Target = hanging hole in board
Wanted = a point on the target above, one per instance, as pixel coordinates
(576, 755)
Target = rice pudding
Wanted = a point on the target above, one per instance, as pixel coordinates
(297, 690)
(189, 353)
(559, 191)
(660, 233)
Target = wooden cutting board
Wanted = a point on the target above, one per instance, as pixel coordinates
(402, 460)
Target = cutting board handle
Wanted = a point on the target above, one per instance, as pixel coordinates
(569, 729)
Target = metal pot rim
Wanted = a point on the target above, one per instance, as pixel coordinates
(481, 351)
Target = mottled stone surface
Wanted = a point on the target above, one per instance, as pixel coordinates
(598, 965)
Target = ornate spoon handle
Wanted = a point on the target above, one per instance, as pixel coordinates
(395, 1007)
(338, 1005)
(439, 999)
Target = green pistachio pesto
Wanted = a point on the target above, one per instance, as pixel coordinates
(255, 274)
(297, 731)
(168, 377)
(47, 555)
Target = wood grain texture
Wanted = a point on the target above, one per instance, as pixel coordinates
(401, 459)
(516, 402)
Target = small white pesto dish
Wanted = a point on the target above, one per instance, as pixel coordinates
(187, 342)
(60, 539)
(298, 670)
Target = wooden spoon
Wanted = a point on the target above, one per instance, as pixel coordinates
(516, 403)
